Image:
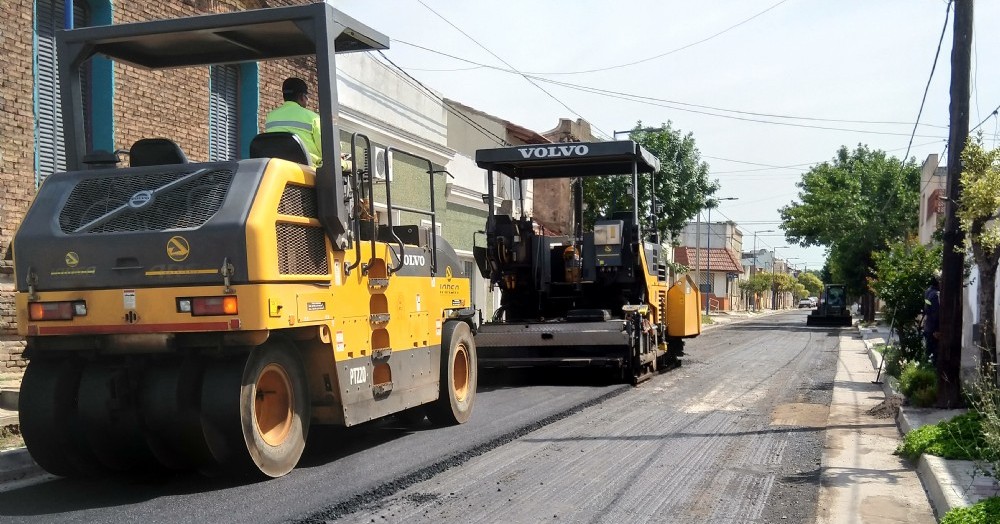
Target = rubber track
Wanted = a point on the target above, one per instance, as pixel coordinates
(373, 497)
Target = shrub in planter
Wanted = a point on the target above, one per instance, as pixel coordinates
(893, 361)
(919, 384)
(960, 438)
(983, 512)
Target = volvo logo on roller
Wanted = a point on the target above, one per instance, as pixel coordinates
(554, 151)
(140, 199)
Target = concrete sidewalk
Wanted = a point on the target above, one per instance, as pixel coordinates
(861, 480)
(949, 483)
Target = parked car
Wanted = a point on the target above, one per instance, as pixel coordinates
(805, 302)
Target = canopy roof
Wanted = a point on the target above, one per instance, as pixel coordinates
(568, 160)
(242, 36)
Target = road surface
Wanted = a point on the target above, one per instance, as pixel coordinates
(734, 435)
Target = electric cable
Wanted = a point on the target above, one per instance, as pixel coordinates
(526, 77)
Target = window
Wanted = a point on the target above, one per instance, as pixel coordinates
(97, 85)
(232, 111)
(50, 153)
(223, 133)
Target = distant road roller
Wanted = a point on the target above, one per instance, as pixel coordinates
(599, 296)
(203, 315)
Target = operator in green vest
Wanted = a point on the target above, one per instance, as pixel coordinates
(293, 117)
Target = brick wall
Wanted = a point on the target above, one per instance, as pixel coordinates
(171, 104)
(17, 159)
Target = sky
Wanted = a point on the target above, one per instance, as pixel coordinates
(767, 88)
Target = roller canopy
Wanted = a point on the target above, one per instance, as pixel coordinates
(569, 159)
(244, 36)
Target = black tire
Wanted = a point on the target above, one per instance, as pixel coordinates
(110, 422)
(48, 418)
(275, 408)
(220, 417)
(171, 396)
(459, 376)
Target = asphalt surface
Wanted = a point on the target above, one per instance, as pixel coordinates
(731, 436)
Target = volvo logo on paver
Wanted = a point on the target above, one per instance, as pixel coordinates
(140, 199)
(72, 259)
(414, 260)
(178, 248)
(554, 151)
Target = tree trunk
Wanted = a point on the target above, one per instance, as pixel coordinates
(868, 303)
(986, 338)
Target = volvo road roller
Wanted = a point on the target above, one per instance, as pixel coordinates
(599, 296)
(832, 309)
(203, 315)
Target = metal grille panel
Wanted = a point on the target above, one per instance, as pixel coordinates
(186, 205)
(301, 250)
(298, 201)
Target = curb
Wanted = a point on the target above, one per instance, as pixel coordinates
(948, 483)
(17, 464)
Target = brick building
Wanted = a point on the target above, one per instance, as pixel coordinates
(190, 106)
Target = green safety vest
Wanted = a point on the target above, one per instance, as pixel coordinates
(290, 117)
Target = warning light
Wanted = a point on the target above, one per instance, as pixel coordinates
(208, 306)
(56, 310)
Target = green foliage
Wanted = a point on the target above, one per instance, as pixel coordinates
(902, 274)
(893, 361)
(755, 286)
(960, 438)
(812, 283)
(682, 183)
(919, 383)
(980, 194)
(984, 396)
(986, 511)
(855, 204)
(977, 213)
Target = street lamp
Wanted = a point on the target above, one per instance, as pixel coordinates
(708, 249)
(630, 131)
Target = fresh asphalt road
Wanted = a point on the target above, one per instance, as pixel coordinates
(734, 435)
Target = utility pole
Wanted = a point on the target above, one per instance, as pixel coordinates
(949, 359)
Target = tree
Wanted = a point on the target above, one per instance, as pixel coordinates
(752, 288)
(902, 274)
(682, 184)
(812, 283)
(856, 204)
(977, 213)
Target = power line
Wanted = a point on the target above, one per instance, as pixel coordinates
(944, 28)
(686, 104)
(660, 103)
(991, 115)
(398, 71)
(661, 55)
(769, 167)
(526, 77)
(923, 100)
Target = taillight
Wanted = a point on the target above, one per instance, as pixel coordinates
(205, 306)
(56, 310)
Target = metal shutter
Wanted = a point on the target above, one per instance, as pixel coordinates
(223, 130)
(49, 147)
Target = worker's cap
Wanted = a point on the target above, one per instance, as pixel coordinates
(294, 86)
